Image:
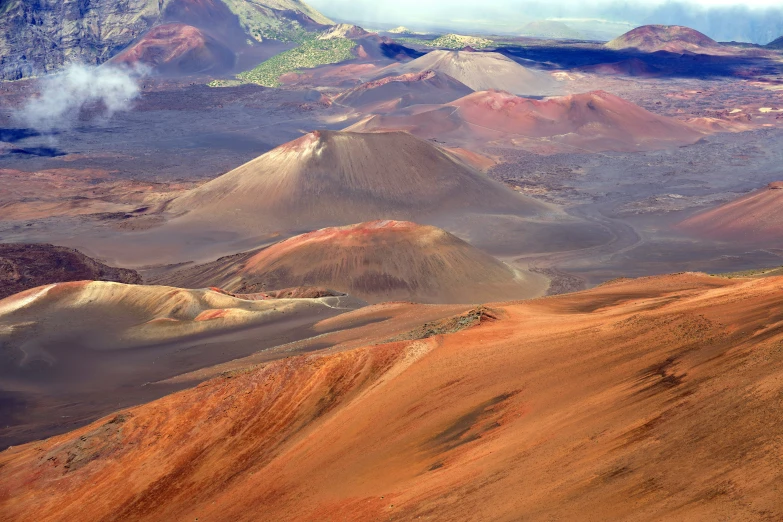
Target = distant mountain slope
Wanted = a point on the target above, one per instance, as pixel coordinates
(40, 36)
(671, 38)
(550, 29)
(776, 43)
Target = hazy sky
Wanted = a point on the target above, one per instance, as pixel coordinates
(758, 21)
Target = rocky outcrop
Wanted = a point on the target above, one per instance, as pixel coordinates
(25, 266)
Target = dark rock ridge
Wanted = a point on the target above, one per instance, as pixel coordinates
(25, 266)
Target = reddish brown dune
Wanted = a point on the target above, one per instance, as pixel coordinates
(25, 266)
(331, 178)
(394, 92)
(593, 121)
(654, 399)
(74, 350)
(376, 261)
(483, 70)
(755, 218)
(178, 49)
(671, 38)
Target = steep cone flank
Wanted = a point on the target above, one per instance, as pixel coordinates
(393, 92)
(591, 121)
(338, 178)
(482, 71)
(640, 400)
(379, 261)
(671, 38)
(178, 49)
(25, 266)
(757, 217)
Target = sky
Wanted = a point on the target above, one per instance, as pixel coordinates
(756, 21)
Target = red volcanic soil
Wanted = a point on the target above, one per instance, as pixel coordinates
(376, 261)
(671, 38)
(394, 92)
(593, 121)
(483, 71)
(178, 49)
(653, 399)
(757, 217)
(329, 178)
(24, 266)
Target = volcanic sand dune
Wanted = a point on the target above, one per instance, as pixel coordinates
(670, 38)
(394, 92)
(755, 218)
(25, 266)
(376, 261)
(483, 71)
(594, 121)
(331, 178)
(72, 349)
(178, 49)
(649, 399)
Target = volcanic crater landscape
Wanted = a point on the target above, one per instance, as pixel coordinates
(259, 264)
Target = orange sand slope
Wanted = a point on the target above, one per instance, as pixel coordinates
(594, 121)
(650, 399)
(755, 218)
(375, 261)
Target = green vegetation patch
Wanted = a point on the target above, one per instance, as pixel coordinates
(457, 41)
(311, 53)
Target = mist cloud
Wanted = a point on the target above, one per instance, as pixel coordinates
(62, 97)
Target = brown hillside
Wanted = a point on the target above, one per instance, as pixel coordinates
(671, 38)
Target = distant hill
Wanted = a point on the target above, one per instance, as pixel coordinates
(550, 29)
(486, 70)
(41, 36)
(671, 38)
(400, 30)
(776, 43)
